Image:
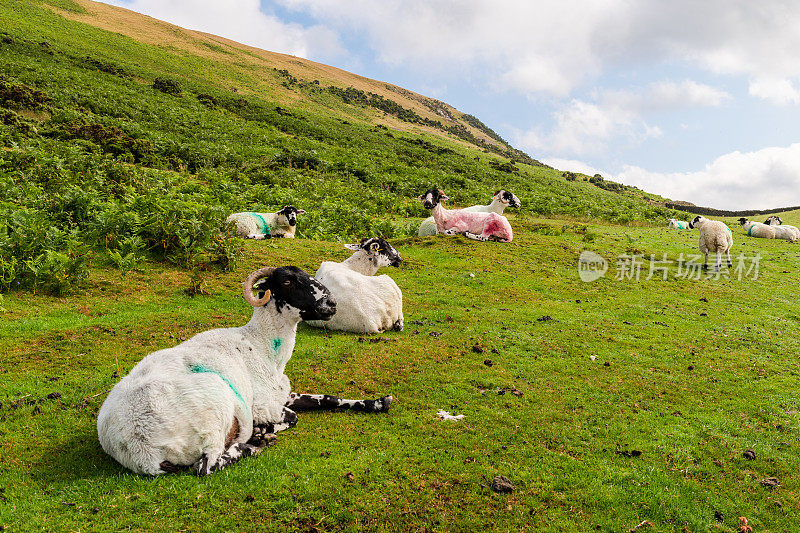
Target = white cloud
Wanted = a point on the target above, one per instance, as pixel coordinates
(574, 165)
(584, 128)
(762, 179)
(776, 90)
(553, 46)
(242, 21)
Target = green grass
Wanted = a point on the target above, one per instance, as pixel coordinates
(691, 392)
(112, 196)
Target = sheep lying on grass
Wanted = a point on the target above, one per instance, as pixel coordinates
(678, 224)
(281, 223)
(716, 237)
(477, 226)
(222, 394)
(757, 229)
(500, 201)
(365, 303)
(783, 231)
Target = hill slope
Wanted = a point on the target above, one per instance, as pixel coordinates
(121, 150)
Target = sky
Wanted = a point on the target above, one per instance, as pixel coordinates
(693, 100)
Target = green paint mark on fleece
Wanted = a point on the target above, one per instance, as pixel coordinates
(200, 369)
(276, 343)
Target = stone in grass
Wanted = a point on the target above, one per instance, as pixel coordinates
(769, 482)
(477, 348)
(749, 454)
(503, 484)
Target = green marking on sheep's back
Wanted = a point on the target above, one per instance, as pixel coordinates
(262, 225)
(276, 343)
(202, 369)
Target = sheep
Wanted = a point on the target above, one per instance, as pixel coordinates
(757, 229)
(678, 224)
(222, 394)
(366, 303)
(716, 237)
(477, 226)
(783, 231)
(500, 201)
(281, 223)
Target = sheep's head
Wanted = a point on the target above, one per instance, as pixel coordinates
(509, 199)
(292, 290)
(379, 252)
(774, 220)
(432, 198)
(288, 216)
(696, 222)
(742, 221)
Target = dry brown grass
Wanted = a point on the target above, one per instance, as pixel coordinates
(148, 30)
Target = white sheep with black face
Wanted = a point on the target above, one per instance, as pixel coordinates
(280, 224)
(678, 224)
(222, 394)
(757, 229)
(783, 231)
(716, 237)
(500, 201)
(366, 303)
(473, 225)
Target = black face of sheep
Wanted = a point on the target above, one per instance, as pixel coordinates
(694, 221)
(380, 249)
(742, 221)
(508, 198)
(290, 212)
(432, 198)
(292, 287)
(774, 218)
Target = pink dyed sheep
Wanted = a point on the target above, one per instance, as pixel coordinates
(477, 226)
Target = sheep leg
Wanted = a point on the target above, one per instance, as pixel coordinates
(475, 237)
(210, 463)
(728, 254)
(317, 402)
(718, 266)
(258, 236)
(705, 261)
(264, 434)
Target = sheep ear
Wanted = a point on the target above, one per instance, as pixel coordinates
(443, 197)
(354, 247)
(301, 211)
(421, 197)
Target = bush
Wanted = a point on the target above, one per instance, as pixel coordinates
(168, 86)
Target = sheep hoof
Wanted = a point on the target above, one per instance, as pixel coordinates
(383, 404)
(398, 326)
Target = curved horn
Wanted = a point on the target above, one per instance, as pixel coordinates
(247, 287)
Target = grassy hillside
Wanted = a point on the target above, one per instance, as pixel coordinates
(123, 146)
(689, 373)
(114, 148)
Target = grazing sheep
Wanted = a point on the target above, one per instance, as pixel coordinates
(281, 223)
(678, 224)
(783, 231)
(220, 395)
(500, 201)
(716, 237)
(365, 303)
(757, 229)
(477, 226)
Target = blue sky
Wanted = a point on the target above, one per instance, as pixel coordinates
(697, 101)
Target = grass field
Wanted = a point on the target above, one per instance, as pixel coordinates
(627, 400)
(620, 366)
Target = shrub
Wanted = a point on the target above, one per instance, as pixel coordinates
(168, 86)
